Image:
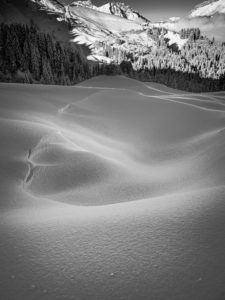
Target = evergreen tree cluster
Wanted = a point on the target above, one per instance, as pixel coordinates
(186, 81)
(198, 66)
(192, 34)
(27, 55)
(156, 32)
(190, 82)
(203, 57)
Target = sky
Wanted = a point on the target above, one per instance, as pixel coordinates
(157, 10)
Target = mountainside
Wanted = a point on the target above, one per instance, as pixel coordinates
(101, 27)
(114, 35)
(208, 16)
(208, 9)
(114, 8)
(113, 31)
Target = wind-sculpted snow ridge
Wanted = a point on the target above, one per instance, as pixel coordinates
(154, 159)
(126, 141)
(109, 186)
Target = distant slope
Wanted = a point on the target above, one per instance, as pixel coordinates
(210, 17)
(208, 9)
(98, 29)
(103, 21)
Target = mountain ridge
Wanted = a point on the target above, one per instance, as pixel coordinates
(208, 9)
(119, 9)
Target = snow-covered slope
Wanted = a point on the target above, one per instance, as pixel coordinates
(99, 27)
(208, 16)
(208, 9)
(111, 189)
(113, 32)
(100, 20)
(114, 8)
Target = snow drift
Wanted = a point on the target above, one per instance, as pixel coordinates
(108, 187)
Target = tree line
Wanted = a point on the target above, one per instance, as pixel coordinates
(199, 65)
(29, 56)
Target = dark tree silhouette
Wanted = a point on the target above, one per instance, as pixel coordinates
(27, 55)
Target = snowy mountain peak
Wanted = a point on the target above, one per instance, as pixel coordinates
(112, 31)
(122, 10)
(208, 9)
(114, 8)
(87, 4)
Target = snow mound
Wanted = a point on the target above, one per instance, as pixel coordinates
(104, 198)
